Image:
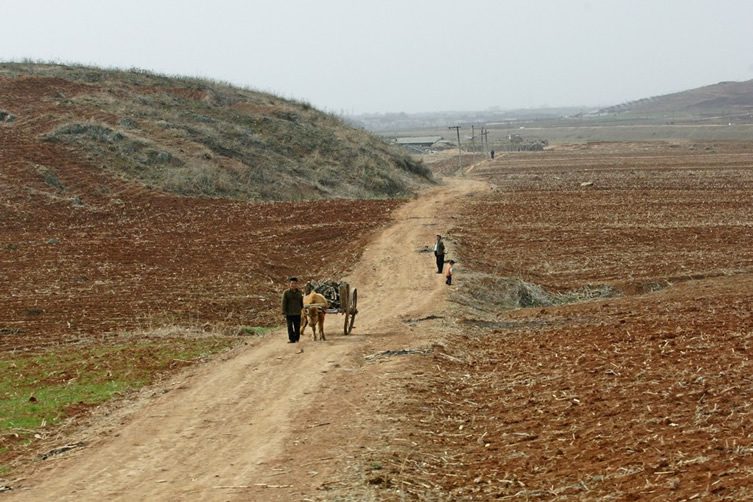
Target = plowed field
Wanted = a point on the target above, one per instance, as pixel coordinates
(87, 257)
(642, 393)
(84, 253)
(645, 394)
(104, 255)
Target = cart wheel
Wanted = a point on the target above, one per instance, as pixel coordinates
(353, 310)
(345, 304)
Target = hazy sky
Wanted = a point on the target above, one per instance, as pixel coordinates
(357, 56)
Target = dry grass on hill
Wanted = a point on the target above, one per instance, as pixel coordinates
(197, 137)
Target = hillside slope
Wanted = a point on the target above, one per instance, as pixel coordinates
(197, 137)
(723, 98)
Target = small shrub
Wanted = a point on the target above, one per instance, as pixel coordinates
(328, 180)
(93, 131)
(414, 167)
(204, 119)
(208, 180)
(492, 293)
(156, 157)
(50, 177)
(128, 123)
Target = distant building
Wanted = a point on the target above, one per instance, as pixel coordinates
(420, 143)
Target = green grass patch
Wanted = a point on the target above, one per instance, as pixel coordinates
(39, 391)
(48, 404)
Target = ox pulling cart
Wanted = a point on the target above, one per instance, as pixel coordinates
(342, 299)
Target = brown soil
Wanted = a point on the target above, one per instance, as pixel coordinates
(642, 396)
(645, 395)
(652, 212)
(109, 255)
(265, 423)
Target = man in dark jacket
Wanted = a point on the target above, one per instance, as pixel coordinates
(292, 305)
(439, 253)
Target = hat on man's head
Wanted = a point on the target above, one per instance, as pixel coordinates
(292, 278)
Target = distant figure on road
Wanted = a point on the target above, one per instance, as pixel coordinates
(439, 253)
(292, 305)
(492, 152)
(448, 273)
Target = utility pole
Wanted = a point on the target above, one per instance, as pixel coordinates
(485, 138)
(473, 141)
(457, 130)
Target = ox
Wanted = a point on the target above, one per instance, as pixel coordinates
(314, 306)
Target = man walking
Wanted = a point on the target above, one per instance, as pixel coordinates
(439, 253)
(292, 305)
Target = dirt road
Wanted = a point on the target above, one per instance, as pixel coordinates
(266, 423)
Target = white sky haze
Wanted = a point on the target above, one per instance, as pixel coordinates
(357, 56)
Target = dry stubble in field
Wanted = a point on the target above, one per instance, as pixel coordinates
(642, 395)
(82, 276)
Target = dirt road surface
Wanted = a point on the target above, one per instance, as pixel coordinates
(265, 423)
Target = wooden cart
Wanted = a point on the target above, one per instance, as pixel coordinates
(348, 306)
(342, 300)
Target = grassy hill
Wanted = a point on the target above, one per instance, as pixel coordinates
(197, 137)
(724, 99)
